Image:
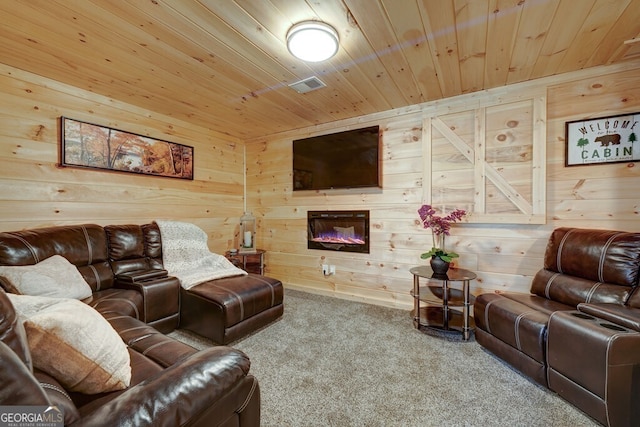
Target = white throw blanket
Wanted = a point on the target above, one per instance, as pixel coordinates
(185, 255)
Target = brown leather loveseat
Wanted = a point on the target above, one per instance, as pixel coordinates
(171, 383)
(578, 332)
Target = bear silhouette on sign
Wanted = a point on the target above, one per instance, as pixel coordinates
(605, 140)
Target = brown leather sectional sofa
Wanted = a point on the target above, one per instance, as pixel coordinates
(171, 383)
(578, 332)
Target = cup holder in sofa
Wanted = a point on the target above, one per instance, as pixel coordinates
(613, 327)
(604, 325)
(610, 326)
(583, 316)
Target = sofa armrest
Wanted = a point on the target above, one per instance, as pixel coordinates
(181, 394)
(621, 315)
(18, 386)
(141, 275)
(161, 296)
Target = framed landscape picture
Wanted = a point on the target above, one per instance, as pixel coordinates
(612, 139)
(87, 145)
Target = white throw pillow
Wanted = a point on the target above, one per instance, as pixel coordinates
(54, 277)
(73, 343)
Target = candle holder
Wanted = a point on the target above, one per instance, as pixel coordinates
(247, 240)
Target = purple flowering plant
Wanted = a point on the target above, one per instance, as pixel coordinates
(440, 226)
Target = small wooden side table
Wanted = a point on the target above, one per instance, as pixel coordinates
(250, 262)
(438, 300)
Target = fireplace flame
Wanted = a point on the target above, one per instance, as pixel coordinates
(338, 239)
(338, 231)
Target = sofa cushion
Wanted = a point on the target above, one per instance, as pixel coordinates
(571, 290)
(74, 344)
(85, 246)
(126, 248)
(147, 340)
(53, 277)
(153, 245)
(514, 323)
(125, 241)
(603, 256)
(128, 302)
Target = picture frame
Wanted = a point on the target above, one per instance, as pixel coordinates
(91, 146)
(603, 140)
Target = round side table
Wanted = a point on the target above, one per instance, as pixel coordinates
(432, 302)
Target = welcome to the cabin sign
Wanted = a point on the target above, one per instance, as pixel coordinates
(611, 139)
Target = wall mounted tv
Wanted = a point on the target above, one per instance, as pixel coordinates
(349, 159)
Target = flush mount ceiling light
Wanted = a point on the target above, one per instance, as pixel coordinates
(312, 41)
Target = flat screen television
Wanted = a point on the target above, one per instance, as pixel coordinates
(349, 159)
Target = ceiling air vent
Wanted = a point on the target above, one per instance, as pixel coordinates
(307, 85)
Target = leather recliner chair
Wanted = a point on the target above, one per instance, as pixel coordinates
(578, 332)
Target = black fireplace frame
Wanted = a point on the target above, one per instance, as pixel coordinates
(339, 216)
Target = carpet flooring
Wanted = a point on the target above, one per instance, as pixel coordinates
(332, 362)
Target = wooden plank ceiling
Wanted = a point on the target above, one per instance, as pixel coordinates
(224, 65)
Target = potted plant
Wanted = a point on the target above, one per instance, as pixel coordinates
(440, 226)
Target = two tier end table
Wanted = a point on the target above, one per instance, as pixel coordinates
(434, 300)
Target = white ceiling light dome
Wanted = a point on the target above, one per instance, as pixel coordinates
(312, 41)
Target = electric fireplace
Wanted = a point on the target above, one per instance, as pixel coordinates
(338, 231)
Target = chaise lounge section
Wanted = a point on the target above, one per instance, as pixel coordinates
(223, 310)
(578, 332)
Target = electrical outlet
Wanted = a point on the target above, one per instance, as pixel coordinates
(325, 269)
(332, 269)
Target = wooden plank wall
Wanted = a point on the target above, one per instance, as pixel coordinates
(505, 256)
(35, 192)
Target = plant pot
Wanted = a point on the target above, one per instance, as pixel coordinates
(438, 265)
